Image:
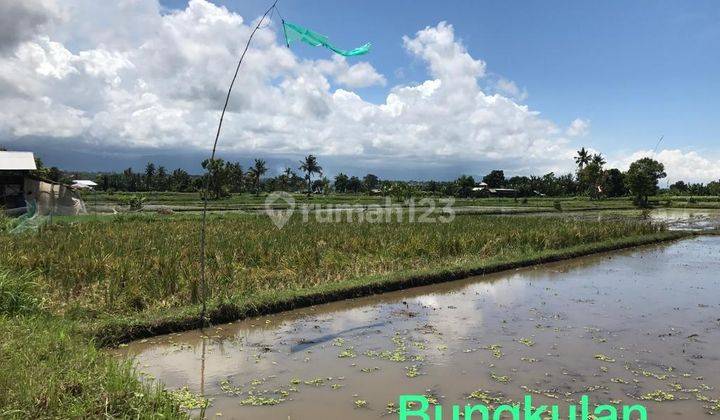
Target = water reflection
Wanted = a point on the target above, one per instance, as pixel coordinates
(616, 326)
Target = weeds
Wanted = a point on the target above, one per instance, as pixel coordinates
(49, 372)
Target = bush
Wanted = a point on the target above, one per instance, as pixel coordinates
(134, 202)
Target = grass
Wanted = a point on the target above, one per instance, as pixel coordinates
(130, 265)
(49, 371)
(106, 280)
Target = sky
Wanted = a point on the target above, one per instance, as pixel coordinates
(448, 88)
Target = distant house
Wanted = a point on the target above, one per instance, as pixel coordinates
(83, 184)
(480, 187)
(22, 190)
(484, 190)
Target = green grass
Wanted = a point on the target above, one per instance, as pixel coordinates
(50, 371)
(246, 201)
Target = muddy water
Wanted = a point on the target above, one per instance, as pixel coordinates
(615, 327)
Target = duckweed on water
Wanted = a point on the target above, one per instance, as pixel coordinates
(256, 400)
(495, 349)
(348, 353)
(658, 396)
(604, 358)
(498, 378)
(188, 400)
(527, 341)
(412, 371)
(486, 398)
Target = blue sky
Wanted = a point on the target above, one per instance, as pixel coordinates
(449, 87)
(635, 69)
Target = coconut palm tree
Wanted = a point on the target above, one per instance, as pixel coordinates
(310, 166)
(582, 158)
(598, 159)
(256, 172)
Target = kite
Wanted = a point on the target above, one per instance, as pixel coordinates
(295, 32)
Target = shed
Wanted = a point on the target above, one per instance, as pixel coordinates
(23, 191)
(14, 168)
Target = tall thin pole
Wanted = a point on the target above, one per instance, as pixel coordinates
(206, 186)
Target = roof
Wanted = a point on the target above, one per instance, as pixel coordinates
(85, 182)
(17, 161)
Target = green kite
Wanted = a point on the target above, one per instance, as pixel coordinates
(295, 32)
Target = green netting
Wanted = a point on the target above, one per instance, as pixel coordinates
(295, 33)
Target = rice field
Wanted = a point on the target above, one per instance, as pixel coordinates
(126, 265)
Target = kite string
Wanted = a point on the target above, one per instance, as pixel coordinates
(206, 184)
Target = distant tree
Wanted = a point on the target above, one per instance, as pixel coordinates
(598, 159)
(161, 179)
(614, 183)
(103, 181)
(370, 182)
(549, 185)
(432, 186)
(713, 188)
(591, 179)
(354, 185)
(310, 166)
(235, 176)
(341, 182)
(256, 172)
(465, 184)
(180, 180)
(131, 180)
(286, 179)
(495, 179)
(642, 179)
(325, 185)
(582, 158)
(402, 191)
(566, 185)
(521, 184)
(149, 176)
(218, 178)
(697, 189)
(54, 174)
(679, 187)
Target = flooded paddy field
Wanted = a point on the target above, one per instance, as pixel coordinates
(637, 326)
(673, 218)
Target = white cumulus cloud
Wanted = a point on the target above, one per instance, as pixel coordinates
(578, 128)
(680, 165)
(123, 74)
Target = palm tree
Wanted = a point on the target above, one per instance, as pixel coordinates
(256, 172)
(582, 158)
(598, 159)
(310, 166)
(285, 178)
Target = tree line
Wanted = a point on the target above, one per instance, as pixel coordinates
(591, 178)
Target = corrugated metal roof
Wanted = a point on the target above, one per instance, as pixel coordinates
(17, 161)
